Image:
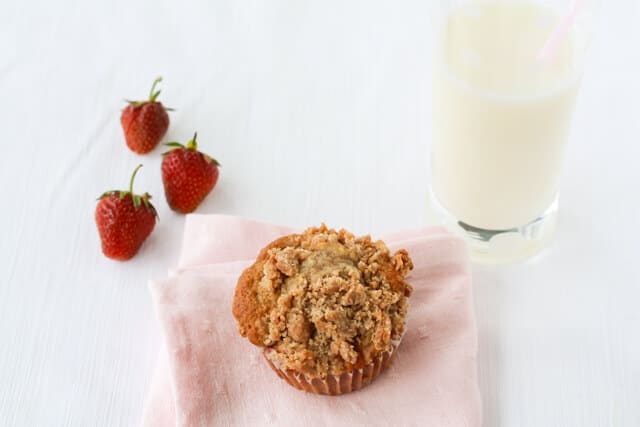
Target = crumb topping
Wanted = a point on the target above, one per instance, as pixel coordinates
(325, 301)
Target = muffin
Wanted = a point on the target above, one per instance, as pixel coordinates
(328, 308)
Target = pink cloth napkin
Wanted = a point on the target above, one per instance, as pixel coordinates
(208, 375)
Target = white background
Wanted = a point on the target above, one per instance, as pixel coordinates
(318, 111)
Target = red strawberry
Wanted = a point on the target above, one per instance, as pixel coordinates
(188, 175)
(124, 221)
(145, 122)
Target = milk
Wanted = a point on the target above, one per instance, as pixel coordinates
(501, 116)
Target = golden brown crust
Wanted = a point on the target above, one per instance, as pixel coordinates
(245, 307)
(325, 301)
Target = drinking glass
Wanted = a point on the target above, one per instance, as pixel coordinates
(506, 77)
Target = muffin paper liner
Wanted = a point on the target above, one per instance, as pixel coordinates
(334, 385)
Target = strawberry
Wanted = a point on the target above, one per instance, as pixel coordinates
(188, 175)
(124, 221)
(145, 122)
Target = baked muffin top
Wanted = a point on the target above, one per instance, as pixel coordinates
(325, 301)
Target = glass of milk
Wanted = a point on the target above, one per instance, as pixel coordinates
(506, 76)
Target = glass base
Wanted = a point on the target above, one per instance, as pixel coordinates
(499, 246)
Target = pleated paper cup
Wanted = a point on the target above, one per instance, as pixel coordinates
(334, 385)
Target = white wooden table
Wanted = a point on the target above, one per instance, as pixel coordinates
(318, 111)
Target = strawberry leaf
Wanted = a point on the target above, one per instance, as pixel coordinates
(154, 96)
(211, 160)
(174, 145)
(152, 93)
(147, 204)
(106, 193)
(153, 209)
(136, 104)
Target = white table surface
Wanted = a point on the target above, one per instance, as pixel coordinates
(318, 111)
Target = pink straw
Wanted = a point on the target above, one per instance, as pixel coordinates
(560, 31)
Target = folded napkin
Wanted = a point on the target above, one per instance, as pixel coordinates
(208, 375)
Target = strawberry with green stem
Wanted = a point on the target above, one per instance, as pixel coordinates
(188, 175)
(124, 221)
(145, 122)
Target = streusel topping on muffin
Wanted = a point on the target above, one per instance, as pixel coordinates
(325, 301)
